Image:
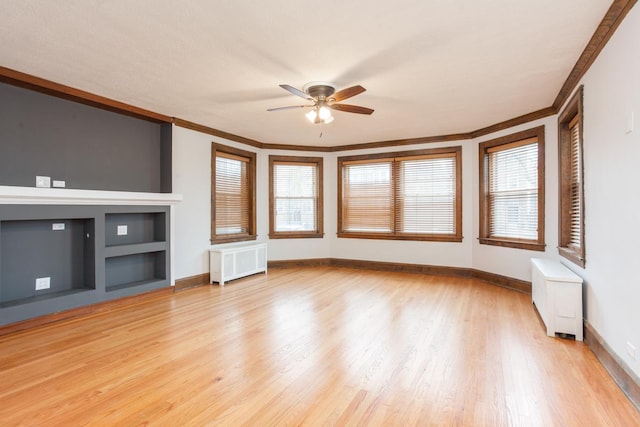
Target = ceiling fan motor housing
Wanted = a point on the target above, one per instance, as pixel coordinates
(319, 90)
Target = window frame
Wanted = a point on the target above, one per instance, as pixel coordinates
(251, 187)
(456, 151)
(318, 163)
(483, 148)
(572, 111)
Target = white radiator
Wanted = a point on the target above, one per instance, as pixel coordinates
(236, 261)
(557, 293)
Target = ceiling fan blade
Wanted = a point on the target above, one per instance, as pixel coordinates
(296, 92)
(347, 93)
(351, 108)
(289, 108)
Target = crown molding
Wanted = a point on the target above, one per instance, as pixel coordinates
(609, 24)
(27, 81)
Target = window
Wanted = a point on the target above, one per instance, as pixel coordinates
(414, 195)
(512, 190)
(295, 199)
(571, 191)
(233, 197)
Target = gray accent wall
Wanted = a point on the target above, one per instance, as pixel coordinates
(87, 147)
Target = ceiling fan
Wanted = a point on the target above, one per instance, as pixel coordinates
(325, 98)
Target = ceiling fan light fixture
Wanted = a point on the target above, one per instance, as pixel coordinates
(325, 98)
(324, 113)
(311, 115)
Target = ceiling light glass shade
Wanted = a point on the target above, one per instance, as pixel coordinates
(324, 113)
(328, 119)
(311, 115)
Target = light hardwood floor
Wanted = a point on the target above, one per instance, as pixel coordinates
(310, 346)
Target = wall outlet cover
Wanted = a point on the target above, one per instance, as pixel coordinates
(57, 226)
(43, 181)
(122, 230)
(630, 123)
(43, 283)
(631, 351)
(59, 184)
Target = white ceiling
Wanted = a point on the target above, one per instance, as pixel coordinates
(430, 67)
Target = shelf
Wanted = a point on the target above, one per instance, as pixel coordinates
(136, 284)
(135, 269)
(116, 251)
(66, 196)
(43, 297)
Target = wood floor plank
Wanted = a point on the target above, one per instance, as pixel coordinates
(310, 346)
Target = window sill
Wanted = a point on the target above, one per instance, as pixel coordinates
(572, 256)
(517, 244)
(421, 238)
(284, 235)
(232, 239)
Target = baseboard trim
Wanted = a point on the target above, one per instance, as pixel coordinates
(192, 281)
(502, 281)
(401, 267)
(85, 310)
(628, 382)
(293, 263)
(492, 278)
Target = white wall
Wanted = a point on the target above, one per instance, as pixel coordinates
(192, 179)
(612, 197)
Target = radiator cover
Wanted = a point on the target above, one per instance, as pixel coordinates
(557, 294)
(233, 262)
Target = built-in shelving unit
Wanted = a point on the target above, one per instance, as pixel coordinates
(88, 246)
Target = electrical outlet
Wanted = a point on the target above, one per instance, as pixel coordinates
(57, 226)
(122, 230)
(631, 351)
(43, 283)
(43, 181)
(59, 184)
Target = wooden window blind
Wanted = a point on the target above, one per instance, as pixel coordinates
(233, 198)
(575, 205)
(296, 197)
(407, 196)
(571, 240)
(426, 195)
(512, 190)
(367, 197)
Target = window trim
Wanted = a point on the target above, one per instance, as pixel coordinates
(251, 177)
(573, 110)
(483, 149)
(319, 232)
(456, 237)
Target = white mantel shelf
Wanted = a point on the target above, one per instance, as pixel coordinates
(66, 196)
